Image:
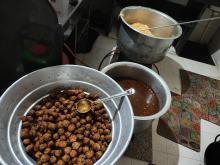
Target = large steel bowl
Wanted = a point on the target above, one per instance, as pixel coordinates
(143, 48)
(24, 93)
(139, 72)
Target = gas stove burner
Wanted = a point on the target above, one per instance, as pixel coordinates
(118, 56)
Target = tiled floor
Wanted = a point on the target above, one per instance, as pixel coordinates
(101, 47)
(165, 152)
(129, 161)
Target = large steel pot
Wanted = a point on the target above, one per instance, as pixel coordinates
(21, 96)
(139, 72)
(142, 48)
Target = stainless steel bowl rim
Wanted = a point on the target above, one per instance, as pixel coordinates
(121, 15)
(163, 83)
(129, 104)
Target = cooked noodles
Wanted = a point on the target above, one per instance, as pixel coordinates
(142, 28)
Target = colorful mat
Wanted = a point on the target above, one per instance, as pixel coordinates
(200, 99)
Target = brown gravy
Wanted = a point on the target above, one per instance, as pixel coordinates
(144, 101)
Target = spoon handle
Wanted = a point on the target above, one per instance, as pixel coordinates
(183, 23)
(124, 93)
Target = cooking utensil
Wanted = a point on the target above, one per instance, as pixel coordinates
(21, 96)
(211, 156)
(184, 23)
(139, 72)
(84, 105)
(141, 48)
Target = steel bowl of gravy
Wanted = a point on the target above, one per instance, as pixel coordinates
(152, 96)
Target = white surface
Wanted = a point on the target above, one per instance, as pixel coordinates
(216, 58)
(166, 152)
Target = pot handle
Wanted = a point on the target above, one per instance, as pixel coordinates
(217, 137)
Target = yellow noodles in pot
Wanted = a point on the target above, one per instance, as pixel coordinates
(142, 28)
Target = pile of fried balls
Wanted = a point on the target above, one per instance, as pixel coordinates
(54, 132)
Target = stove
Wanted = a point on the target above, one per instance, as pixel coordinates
(117, 56)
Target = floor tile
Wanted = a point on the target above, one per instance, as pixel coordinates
(209, 127)
(179, 160)
(188, 153)
(172, 148)
(158, 142)
(138, 162)
(172, 159)
(124, 161)
(179, 150)
(160, 158)
(104, 42)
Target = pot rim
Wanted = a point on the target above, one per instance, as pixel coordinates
(179, 29)
(163, 83)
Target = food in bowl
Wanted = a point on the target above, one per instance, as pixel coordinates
(53, 132)
(142, 28)
(144, 101)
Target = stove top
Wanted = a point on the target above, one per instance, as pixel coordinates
(118, 56)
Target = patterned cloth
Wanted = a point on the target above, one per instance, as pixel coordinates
(200, 99)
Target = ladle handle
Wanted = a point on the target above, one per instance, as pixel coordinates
(124, 93)
(184, 23)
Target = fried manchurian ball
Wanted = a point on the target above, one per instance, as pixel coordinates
(53, 159)
(96, 146)
(98, 154)
(67, 150)
(44, 158)
(73, 138)
(89, 154)
(71, 127)
(73, 153)
(88, 162)
(26, 141)
(75, 145)
(58, 153)
(61, 144)
(60, 162)
(53, 132)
